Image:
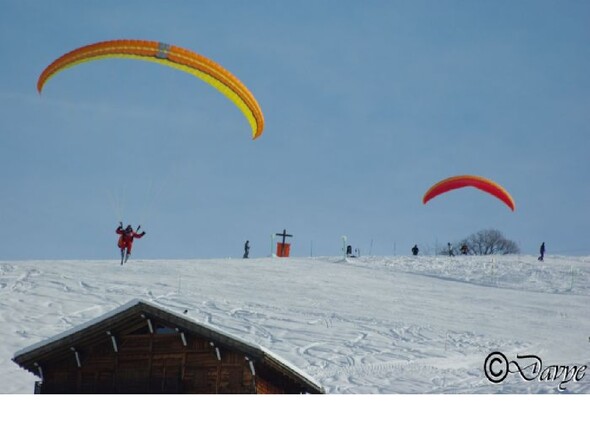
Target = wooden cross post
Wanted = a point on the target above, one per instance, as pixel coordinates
(285, 235)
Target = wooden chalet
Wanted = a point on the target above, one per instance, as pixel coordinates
(143, 348)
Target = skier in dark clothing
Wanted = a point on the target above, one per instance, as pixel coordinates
(415, 250)
(349, 250)
(542, 251)
(464, 249)
(126, 237)
(246, 249)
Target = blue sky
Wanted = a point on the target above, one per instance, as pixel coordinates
(367, 104)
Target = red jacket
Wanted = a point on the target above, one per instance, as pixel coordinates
(126, 238)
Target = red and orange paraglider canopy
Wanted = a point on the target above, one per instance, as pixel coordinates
(172, 56)
(457, 182)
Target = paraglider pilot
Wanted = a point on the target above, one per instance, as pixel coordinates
(126, 237)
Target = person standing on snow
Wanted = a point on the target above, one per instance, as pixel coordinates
(415, 250)
(246, 249)
(542, 251)
(126, 238)
(450, 247)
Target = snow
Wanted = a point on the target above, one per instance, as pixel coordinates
(364, 325)
(367, 325)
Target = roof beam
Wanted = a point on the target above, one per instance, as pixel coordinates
(77, 356)
(114, 341)
(182, 336)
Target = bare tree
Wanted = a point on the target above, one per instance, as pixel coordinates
(489, 242)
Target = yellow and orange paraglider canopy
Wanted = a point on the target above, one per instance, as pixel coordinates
(169, 55)
(456, 182)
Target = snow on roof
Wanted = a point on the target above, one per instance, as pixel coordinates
(124, 307)
(79, 327)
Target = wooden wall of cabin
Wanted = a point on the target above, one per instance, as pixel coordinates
(157, 363)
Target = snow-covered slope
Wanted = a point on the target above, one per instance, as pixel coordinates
(364, 325)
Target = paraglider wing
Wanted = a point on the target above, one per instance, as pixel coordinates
(169, 55)
(480, 183)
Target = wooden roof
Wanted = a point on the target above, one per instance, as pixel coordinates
(134, 312)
